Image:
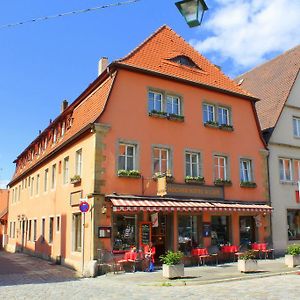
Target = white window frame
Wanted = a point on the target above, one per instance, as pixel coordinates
(218, 167)
(126, 156)
(172, 99)
(74, 244)
(207, 113)
(32, 187)
(66, 170)
(63, 128)
(78, 162)
(53, 176)
(246, 171)
(191, 154)
(46, 179)
(159, 158)
(296, 127)
(35, 224)
(284, 170)
(155, 100)
(57, 228)
(227, 112)
(37, 185)
(51, 237)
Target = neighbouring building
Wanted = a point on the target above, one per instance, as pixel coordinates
(277, 84)
(161, 113)
(3, 216)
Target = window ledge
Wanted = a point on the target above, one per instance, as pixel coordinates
(194, 181)
(223, 183)
(177, 118)
(211, 124)
(129, 176)
(248, 185)
(287, 182)
(226, 127)
(156, 114)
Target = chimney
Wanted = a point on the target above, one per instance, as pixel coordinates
(102, 65)
(64, 105)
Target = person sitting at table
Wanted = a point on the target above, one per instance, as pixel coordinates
(149, 252)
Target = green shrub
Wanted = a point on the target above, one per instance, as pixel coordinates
(293, 249)
(248, 255)
(171, 258)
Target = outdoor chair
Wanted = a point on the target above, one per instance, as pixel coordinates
(213, 252)
(268, 251)
(202, 255)
(107, 261)
(131, 258)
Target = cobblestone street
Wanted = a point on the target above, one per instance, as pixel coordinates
(37, 279)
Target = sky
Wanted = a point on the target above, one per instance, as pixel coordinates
(42, 63)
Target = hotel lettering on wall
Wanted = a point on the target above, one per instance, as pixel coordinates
(195, 191)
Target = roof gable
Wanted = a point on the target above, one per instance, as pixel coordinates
(272, 83)
(157, 54)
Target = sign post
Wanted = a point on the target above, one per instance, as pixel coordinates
(84, 207)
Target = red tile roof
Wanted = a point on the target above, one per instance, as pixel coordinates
(272, 83)
(155, 55)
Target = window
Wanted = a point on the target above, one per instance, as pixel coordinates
(220, 164)
(43, 229)
(293, 221)
(66, 170)
(184, 60)
(19, 195)
(192, 164)
(223, 116)
(14, 229)
(220, 230)
(161, 160)
(53, 177)
(125, 232)
(51, 225)
(29, 230)
(155, 102)
(37, 184)
(187, 233)
(10, 229)
(245, 170)
(57, 223)
(173, 105)
(45, 143)
(31, 187)
(127, 157)
(208, 113)
(63, 128)
(34, 229)
(78, 160)
(296, 126)
(46, 180)
(77, 232)
(54, 135)
(285, 169)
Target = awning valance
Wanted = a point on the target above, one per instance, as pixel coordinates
(152, 205)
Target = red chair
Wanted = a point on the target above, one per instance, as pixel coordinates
(231, 250)
(264, 249)
(132, 258)
(202, 255)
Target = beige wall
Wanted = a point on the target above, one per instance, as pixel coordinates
(283, 144)
(55, 202)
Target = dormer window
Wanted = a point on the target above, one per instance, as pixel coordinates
(54, 135)
(45, 144)
(185, 61)
(63, 128)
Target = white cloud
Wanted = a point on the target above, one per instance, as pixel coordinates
(3, 184)
(247, 31)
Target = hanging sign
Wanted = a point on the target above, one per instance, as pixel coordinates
(154, 220)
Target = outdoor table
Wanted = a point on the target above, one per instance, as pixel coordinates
(202, 254)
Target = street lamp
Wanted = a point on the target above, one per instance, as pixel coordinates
(191, 9)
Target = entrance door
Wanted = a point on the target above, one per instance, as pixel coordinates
(159, 236)
(247, 230)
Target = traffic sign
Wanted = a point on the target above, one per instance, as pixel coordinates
(84, 206)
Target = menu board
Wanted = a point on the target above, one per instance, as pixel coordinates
(145, 233)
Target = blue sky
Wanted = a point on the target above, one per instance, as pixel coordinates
(43, 63)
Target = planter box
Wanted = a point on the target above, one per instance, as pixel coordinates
(249, 265)
(248, 185)
(212, 125)
(158, 115)
(292, 260)
(194, 181)
(173, 271)
(225, 183)
(129, 176)
(75, 181)
(226, 128)
(176, 118)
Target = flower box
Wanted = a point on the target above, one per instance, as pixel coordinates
(211, 124)
(174, 117)
(194, 180)
(75, 179)
(292, 258)
(226, 127)
(248, 184)
(169, 178)
(129, 173)
(157, 114)
(249, 265)
(220, 182)
(173, 271)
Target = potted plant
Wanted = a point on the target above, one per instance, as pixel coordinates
(292, 258)
(197, 179)
(75, 179)
(226, 127)
(221, 181)
(211, 124)
(172, 266)
(129, 173)
(157, 113)
(247, 262)
(248, 184)
(175, 117)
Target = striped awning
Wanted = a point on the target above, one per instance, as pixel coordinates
(152, 205)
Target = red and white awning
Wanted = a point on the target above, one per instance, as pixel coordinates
(152, 205)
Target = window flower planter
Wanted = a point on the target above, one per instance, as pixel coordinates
(158, 114)
(169, 178)
(211, 124)
(247, 262)
(75, 179)
(129, 173)
(226, 127)
(224, 182)
(194, 180)
(248, 184)
(174, 117)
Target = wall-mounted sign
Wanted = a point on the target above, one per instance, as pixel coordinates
(154, 220)
(104, 232)
(75, 198)
(145, 233)
(161, 186)
(195, 191)
(206, 230)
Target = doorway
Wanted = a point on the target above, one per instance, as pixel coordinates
(247, 230)
(159, 228)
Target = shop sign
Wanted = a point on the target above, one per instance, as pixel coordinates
(195, 191)
(206, 230)
(161, 186)
(145, 233)
(154, 220)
